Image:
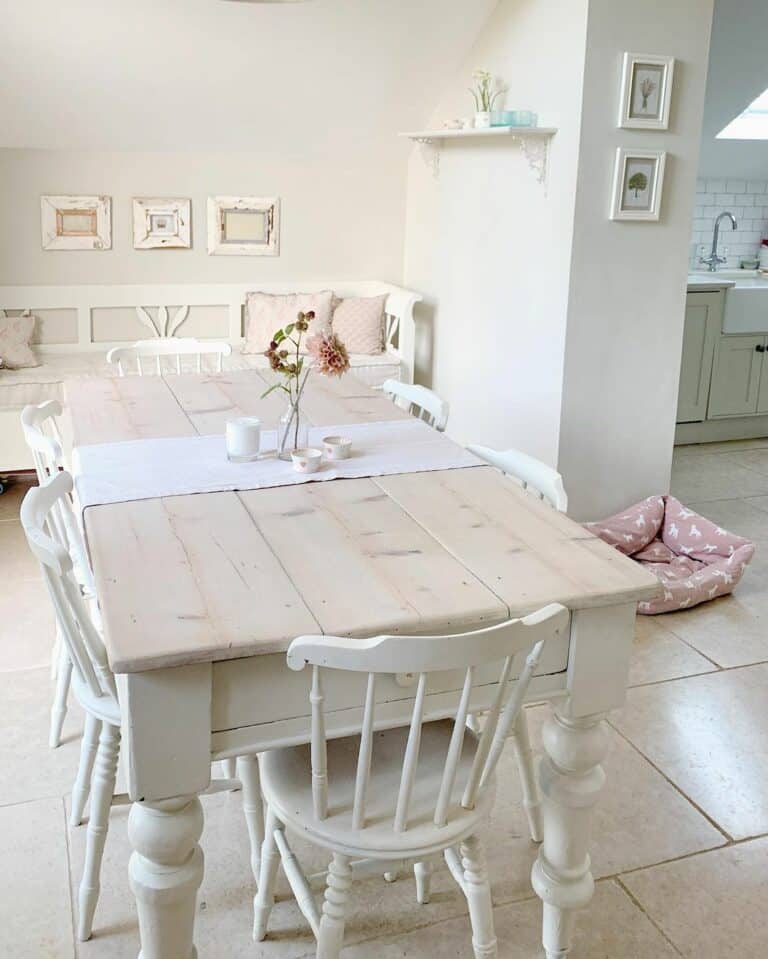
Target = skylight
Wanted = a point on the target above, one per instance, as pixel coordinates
(752, 124)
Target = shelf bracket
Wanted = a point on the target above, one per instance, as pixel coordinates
(430, 154)
(536, 152)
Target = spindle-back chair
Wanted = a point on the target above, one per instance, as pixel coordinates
(423, 403)
(404, 794)
(170, 348)
(536, 477)
(93, 684)
(43, 437)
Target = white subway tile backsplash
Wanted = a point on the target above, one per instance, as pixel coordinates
(747, 200)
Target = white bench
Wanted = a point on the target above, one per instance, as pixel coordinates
(79, 324)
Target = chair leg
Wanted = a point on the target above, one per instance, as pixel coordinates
(521, 742)
(230, 767)
(56, 653)
(423, 873)
(331, 933)
(59, 708)
(270, 860)
(248, 774)
(103, 789)
(478, 892)
(82, 786)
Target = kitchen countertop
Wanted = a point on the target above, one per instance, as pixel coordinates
(726, 279)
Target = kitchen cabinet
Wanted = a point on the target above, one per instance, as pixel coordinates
(736, 376)
(703, 323)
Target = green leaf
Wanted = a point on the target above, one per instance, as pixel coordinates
(289, 329)
(278, 337)
(275, 386)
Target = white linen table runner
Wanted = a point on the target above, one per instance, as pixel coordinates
(177, 466)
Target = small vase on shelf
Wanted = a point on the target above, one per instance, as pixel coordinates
(482, 120)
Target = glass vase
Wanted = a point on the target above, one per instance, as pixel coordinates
(292, 433)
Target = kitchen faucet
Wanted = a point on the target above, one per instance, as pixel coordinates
(713, 260)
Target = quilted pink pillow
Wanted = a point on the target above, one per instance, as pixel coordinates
(358, 321)
(268, 312)
(15, 334)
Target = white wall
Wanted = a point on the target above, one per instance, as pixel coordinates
(738, 72)
(341, 216)
(626, 305)
(490, 246)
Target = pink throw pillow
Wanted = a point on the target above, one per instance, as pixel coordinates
(358, 321)
(15, 334)
(267, 312)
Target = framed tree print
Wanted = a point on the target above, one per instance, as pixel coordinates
(638, 178)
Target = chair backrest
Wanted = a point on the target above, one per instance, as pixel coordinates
(42, 436)
(84, 645)
(420, 401)
(169, 348)
(535, 476)
(516, 645)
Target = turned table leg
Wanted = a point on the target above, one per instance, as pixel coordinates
(571, 778)
(166, 870)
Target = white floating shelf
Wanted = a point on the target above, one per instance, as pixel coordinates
(533, 141)
(425, 136)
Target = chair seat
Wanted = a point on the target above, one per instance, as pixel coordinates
(286, 783)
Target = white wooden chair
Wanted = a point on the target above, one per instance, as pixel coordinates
(538, 478)
(94, 687)
(43, 438)
(420, 401)
(170, 348)
(395, 796)
(545, 483)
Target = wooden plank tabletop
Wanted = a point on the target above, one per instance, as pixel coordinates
(223, 575)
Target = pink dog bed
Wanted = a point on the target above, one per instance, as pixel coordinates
(694, 559)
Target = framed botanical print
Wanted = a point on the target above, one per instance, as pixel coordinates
(646, 91)
(161, 223)
(243, 226)
(638, 178)
(76, 222)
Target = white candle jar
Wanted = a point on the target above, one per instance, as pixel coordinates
(243, 439)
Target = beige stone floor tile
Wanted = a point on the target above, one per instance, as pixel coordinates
(16, 560)
(731, 631)
(10, 500)
(657, 654)
(754, 459)
(726, 446)
(612, 927)
(711, 906)
(27, 626)
(715, 476)
(35, 910)
(741, 516)
(29, 768)
(709, 735)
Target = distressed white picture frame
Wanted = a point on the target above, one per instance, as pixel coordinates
(628, 163)
(162, 223)
(71, 222)
(657, 69)
(231, 234)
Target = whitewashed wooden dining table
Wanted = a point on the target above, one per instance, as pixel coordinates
(201, 595)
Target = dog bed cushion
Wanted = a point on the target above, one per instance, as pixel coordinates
(694, 559)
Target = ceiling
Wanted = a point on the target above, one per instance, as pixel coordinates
(321, 76)
(738, 72)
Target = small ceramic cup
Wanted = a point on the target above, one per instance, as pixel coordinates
(307, 460)
(337, 447)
